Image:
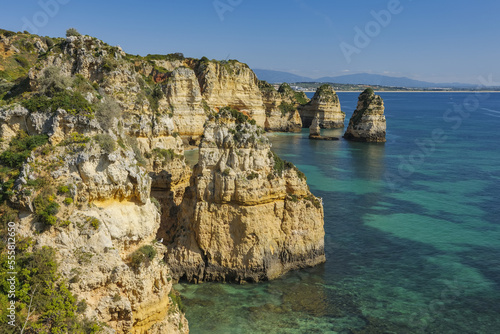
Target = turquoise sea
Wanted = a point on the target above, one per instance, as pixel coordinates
(412, 229)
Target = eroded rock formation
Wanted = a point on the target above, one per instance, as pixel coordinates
(231, 83)
(282, 107)
(106, 154)
(367, 123)
(106, 217)
(248, 215)
(325, 103)
(314, 129)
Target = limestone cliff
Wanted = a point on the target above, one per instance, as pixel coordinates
(92, 165)
(101, 216)
(248, 215)
(325, 103)
(367, 123)
(184, 96)
(184, 88)
(281, 107)
(231, 83)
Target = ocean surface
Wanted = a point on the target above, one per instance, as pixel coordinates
(412, 229)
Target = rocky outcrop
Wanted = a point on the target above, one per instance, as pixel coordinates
(367, 123)
(110, 219)
(248, 215)
(281, 108)
(314, 129)
(325, 103)
(105, 213)
(231, 83)
(184, 96)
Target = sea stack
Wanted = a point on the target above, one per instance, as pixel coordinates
(248, 216)
(281, 107)
(367, 123)
(314, 129)
(325, 103)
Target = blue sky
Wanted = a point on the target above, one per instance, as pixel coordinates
(438, 41)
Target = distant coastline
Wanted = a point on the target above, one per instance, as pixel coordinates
(414, 91)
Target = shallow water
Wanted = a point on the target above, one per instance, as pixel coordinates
(412, 230)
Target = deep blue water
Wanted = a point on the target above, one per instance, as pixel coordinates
(412, 229)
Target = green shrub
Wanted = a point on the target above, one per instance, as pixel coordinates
(46, 207)
(94, 222)
(109, 65)
(63, 190)
(75, 138)
(368, 91)
(73, 102)
(279, 164)
(205, 106)
(285, 89)
(314, 201)
(239, 117)
(7, 33)
(72, 32)
(252, 176)
(68, 201)
(177, 301)
(53, 81)
(170, 57)
(165, 154)
(156, 203)
(143, 255)
(106, 112)
(65, 223)
(106, 142)
(39, 284)
(301, 98)
(20, 148)
(301, 175)
(287, 108)
(266, 87)
(134, 144)
(226, 172)
(23, 62)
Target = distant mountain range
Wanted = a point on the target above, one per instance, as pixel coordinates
(357, 79)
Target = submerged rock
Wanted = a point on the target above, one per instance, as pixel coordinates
(367, 123)
(248, 215)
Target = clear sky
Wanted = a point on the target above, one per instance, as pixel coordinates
(432, 40)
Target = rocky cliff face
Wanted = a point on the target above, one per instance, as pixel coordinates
(325, 103)
(281, 108)
(105, 217)
(231, 83)
(184, 96)
(92, 165)
(248, 215)
(183, 87)
(367, 123)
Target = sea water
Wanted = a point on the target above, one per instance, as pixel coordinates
(412, 229)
